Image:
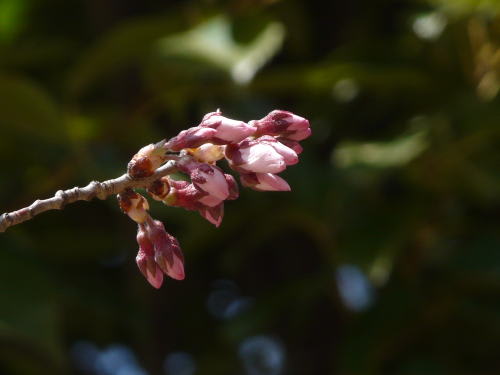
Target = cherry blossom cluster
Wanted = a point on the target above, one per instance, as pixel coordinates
(257, 151)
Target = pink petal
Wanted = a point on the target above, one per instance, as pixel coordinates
(271, 182)
(211, 180)
(289, 156)
(262, 158)
(210, 201)
(155, 279)
(299, 135)
(168, 254)
(213, 214)
(228, 130)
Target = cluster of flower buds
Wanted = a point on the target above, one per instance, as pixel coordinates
(257, 150)
(159, 252)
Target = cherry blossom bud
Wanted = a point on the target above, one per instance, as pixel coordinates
(167, 252)
(207, 178)
(134, 205)
(207, 153)
(261, 155)
(146, 161)
(159, 189)
(264, 182)
(284, 124)
(145, 259)
(213, 214)
(184, 194)
(191, 138)
(228, 130)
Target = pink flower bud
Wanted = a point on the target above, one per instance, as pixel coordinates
(228, 130)
(213, 214)
(134, 205)
(146, 161)
(167, 252)
(191, 138)
(207, 178)
(145, 259)
(184, 194)
(264, 182)
(261, 155)
(207, 153)
(155, 277)
(284, 124)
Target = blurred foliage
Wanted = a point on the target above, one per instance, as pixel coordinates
(384, 259)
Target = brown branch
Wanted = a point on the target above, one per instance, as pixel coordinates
(95, 189)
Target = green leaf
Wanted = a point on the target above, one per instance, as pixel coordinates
(396, 152)
(213, 43)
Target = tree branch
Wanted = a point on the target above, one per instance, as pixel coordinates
(95, 189)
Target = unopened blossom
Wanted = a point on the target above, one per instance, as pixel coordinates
(228, 130)
(146, 161)
(284, 124)
(184, 194)
(167, 252)
(188, 196)
(206, 177)
(134, 205)
(191, 138)
(261, 155)
(264, 182)
(145, 258)
(207, 153)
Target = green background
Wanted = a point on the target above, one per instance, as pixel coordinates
(384, 258)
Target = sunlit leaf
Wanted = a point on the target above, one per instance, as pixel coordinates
(399, 151)
(213, 42)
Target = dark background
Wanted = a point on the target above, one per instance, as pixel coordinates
(384, 258)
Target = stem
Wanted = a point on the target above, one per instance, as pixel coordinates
(94, 189)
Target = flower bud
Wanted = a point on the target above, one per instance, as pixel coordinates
(184, 194)
(134, 205)
(261, 155)
(264, 182)
(191, 138)
(284, 124)
(145, 262)
(145, 258)
(188, 196)
(207, 178)
(146, 161)
(167, 252)
(228, 130)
